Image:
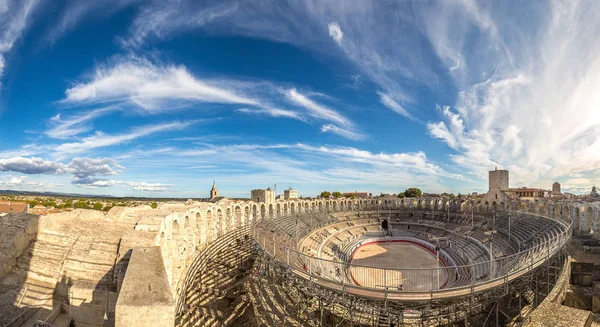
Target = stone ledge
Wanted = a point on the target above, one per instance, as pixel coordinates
(145, 298)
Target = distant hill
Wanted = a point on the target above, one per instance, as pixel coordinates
(90, 196)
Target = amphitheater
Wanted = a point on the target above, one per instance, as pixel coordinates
(325, 262)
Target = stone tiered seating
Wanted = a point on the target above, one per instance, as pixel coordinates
(210, 296)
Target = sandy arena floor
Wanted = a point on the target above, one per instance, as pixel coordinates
(398, 255)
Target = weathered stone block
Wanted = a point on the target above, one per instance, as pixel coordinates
(145, 298)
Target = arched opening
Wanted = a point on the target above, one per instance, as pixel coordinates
(200, 229)
(263, 211)
(238, 217)
(278, 209)
(589, 219)
(186, 222)
(210, 227)
(247, 214)
(228, 221)
(219, 223)
(271, 211)
(292, 208)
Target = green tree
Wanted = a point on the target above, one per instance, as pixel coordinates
(154, 205)
(413, 192)
(32, 203)
(68, 204)
(325, 194)
(337, 194)
(352, 195)
(401, 195)
(80, 205)
(97, 206)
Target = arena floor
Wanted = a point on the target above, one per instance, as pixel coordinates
(400, 255)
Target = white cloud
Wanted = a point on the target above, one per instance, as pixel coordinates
(335, 32)
(151, 87)
(67, 128)
(31, 166)
(77, 11)
(315, 109)
(274, 112)
(342, 132)
(137, 186)
(104, 140)
(161, 19)
(14, 17)
(537, 112)
(387, 100)
(322, 166)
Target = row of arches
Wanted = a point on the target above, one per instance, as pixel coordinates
(184, 232)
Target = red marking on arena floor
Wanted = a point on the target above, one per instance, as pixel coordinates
(396, 241)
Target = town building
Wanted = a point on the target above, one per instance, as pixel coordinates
(259, 195)
(13, 207)
(528, 193)
(357, 194)
(290, 194)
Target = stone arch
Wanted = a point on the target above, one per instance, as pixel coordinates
(220, 222)
(320, 206)
(589, 220)
(292, 208)
(575, 217)
(254, 212)
(285, 208)
(238, 222)
(210, 226)
(271, 211)
(278, 209)
(335, 205)
(228, 220)
(247, 214)
(200, 228)
(263, 211)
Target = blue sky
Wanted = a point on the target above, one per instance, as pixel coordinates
(160, 98)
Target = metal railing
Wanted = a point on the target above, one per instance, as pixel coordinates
(416, 283)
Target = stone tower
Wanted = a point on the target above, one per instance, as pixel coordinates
(213, 191)
(498, 181)
(556, 188)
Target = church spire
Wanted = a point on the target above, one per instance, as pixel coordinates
(213, 191)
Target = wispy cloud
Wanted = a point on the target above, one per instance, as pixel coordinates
(151, 87)
(315, 109)
(387, 100)
(525, 103)
(14, 18)
(65, 128)
(329, 166)
(273, 112)
(162, 19)
(342, 132)
(103, 140)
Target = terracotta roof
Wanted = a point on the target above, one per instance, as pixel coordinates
(13, 206)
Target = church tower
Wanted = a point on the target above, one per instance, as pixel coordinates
(213, 191)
